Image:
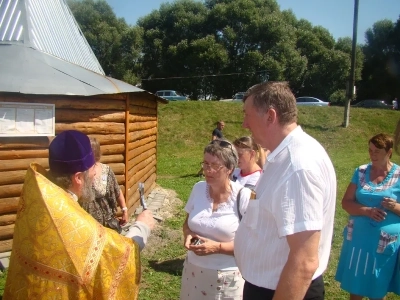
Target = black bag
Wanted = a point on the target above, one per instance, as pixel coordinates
(113, 223)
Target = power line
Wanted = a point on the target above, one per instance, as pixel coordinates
(201, 76)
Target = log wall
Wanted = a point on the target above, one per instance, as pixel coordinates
(125, 126)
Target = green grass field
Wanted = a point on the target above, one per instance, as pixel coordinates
(185, 128)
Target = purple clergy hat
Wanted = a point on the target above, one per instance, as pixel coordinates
(70, 152)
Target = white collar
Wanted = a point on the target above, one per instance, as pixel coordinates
(285, 142)
(74, 196)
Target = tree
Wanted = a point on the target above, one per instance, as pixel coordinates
(116, 45)
(381, 74)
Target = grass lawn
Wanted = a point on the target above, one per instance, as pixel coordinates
(185, 128)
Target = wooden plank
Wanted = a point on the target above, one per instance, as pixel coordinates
(6, 245)
(114, 158)
(142, 142)
(118, 168)
(140, 110)
(17, 154)
(22, 164)
(109, 139)
(25, 142)
(9, 205)
(12, 177)
(86, 115)
(92, 127)
(11, 190)
(6, 232)
(7, 219)
(141, 118)
(141, 165)
(142, 125)
(139, 150)
(112, 149)
(138, 135)
(137, 159)
(140, 173)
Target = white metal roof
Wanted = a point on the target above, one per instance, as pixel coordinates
(49, 26)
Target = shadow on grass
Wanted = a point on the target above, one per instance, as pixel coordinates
(173, 266)
(319, 127)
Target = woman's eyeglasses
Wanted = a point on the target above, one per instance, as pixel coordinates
(211, 167)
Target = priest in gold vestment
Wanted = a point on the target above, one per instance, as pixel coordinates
(59, 250)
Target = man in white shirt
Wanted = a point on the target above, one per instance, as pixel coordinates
(283, 242)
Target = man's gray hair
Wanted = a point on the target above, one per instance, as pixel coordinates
(276, 95)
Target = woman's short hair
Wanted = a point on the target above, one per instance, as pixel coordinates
(276, 95)
(382, 141)
(247, 142)
(95, 148)
(224, 151)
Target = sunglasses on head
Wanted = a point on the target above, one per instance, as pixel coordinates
(224, 144)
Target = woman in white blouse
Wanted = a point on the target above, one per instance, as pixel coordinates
(210, 271)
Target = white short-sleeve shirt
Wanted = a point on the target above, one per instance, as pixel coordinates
(295, 193)
(220, 225)
(247, 180)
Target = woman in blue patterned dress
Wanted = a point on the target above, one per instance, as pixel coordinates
(368, 264)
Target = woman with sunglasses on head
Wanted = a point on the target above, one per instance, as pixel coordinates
(213, 211)
(251, 161)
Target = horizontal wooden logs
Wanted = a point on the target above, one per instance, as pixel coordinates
(139, 118)
(138, 135)
(141, 165)
(92, 127)
(133, 179)
(112, 149)
(120, 179)
(133, 192)
(12, 177)
(139, 150)
(109, 139)
(115, 158)
(118, 168)
(141, 142)
(22, 164)
(139, 100)
(9, 205)
(6, 245)
(11, 190)
(24, 142)
(140, 110)
(75, 102)
(7, 219)
(136, 160)
(17, 154)
(86, 115)
(142, 125)
(6, 232)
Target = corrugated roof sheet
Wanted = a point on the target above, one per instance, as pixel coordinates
(49, 26)
(29, 71)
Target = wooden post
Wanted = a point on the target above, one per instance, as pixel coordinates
(127, 113)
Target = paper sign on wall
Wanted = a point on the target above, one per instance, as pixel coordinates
(26, 119)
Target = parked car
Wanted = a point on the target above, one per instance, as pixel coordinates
(238, 97)
(373, 104)
(311, 101)
(171, 95)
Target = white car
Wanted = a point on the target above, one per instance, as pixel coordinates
(311, 101)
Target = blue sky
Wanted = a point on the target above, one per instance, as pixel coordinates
(334, 15)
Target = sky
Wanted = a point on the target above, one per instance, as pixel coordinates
(334, 15)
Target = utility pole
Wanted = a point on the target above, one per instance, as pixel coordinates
(351, 83)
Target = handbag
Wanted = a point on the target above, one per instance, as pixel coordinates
(113, 223)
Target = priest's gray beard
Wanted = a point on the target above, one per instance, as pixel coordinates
(87, 193)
